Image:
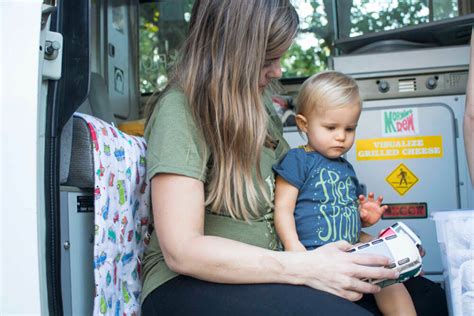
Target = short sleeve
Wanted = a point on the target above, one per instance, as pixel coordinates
(292, 167)
(174, 143)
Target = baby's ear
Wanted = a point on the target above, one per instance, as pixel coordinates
(302, 123)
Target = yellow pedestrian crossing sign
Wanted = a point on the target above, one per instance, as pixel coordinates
(401, 179)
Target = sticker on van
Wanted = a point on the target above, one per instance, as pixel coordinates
(406, 210)
(400, 122)
(401, 179)
(399, 148)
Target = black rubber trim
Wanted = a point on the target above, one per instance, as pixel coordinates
(294, 80)
(53, 250)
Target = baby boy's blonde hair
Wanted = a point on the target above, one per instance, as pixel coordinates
(325, 90)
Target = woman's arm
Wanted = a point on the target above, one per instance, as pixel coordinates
(178, 209)
(469, 115)
(285, 202)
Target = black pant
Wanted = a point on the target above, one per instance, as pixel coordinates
(428, 297)
(188, 296)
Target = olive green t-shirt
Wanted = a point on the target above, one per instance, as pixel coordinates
(175, 146)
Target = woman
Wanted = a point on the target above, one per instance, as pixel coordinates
(212, 140)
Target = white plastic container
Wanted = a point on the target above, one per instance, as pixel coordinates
(455, 232)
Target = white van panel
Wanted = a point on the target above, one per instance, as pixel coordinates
(19, 173)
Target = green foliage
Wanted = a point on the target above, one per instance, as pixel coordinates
(149, 59)
(162, 30)
(395, 15)
(299, 62)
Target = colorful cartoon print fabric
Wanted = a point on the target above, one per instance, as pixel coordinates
(122, 204)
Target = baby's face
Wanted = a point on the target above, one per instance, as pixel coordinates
(331, 132)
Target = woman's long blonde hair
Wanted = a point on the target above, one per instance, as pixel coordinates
(219, 70)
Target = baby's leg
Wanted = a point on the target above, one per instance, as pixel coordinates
(395, 300)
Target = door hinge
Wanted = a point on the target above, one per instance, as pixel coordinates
(53, 56)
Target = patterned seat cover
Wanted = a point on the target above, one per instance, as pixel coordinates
(122, 215)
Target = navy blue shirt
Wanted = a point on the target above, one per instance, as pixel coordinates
(327, 204)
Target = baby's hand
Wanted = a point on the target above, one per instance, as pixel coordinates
(371, 210)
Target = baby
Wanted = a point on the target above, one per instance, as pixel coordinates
(317, 197)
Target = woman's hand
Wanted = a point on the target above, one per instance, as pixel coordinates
(371, 210)
(336, 271)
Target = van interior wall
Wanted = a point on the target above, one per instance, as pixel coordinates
(114, 55)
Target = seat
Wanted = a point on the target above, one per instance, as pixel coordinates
(76, 165)
(110, 164)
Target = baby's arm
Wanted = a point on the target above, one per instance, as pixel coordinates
(371, 210)
(364, 237)
(395, 300)
(285, 202)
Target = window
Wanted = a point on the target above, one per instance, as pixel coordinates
(360, 17)
(315, 41)
(163, 27)
(164, 23)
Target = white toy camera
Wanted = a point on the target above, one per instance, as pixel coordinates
(401, 245)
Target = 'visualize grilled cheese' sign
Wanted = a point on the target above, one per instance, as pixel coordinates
(399, 148)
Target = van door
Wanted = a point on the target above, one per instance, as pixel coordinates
(71, 19)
